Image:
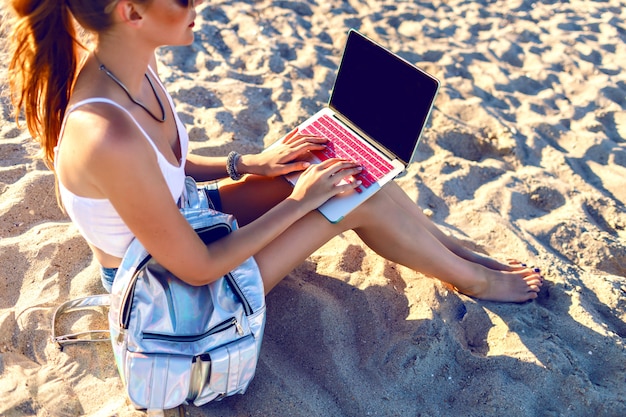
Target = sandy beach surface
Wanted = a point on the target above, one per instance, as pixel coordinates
(524, 157)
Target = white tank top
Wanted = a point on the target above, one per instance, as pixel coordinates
(96, 219)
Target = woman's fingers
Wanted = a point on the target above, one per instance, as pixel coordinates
(319, 182)
(297, 147)
(340, 171)
(295, 137)
(289, 137)
(337, 164)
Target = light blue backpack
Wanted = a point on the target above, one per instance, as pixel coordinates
(175, 343)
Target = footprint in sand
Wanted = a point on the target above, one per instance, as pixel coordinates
(474, 146)
(606, 215)
(546, 198)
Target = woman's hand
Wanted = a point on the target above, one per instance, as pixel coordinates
(282, 158)
(320, 182)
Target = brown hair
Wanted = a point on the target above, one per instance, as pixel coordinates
(44, 60)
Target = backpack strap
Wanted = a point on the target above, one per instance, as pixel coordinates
(193, 197)
(102, 300)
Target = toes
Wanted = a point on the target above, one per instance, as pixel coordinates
(521, 265)
(515, 265)
(529, 272)
(534, 280)
(526, 297)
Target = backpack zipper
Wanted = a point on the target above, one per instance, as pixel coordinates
(126, 301)
(218, 328)
(235, 287)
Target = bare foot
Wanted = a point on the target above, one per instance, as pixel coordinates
(492, 263)
(505, 286)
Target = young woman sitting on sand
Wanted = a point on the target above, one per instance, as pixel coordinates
(119, 151)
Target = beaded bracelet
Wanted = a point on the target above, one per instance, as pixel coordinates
(231, 166)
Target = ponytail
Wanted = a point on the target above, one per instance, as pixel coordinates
(42, 68)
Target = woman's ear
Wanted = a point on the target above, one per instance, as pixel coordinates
(128, 12)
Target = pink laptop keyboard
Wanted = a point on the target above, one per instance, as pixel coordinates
(343, 144)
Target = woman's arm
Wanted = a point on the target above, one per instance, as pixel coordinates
(123, 167)
(146, 206)
(280, 159)
(206, 168)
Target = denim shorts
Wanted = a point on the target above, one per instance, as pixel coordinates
(213, 194)
(107, 275)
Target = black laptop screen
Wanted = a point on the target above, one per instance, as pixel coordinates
(384, 96)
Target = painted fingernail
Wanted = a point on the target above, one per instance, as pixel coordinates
(524, 265)
(537, 270)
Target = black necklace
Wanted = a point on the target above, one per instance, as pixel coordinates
(137, 102)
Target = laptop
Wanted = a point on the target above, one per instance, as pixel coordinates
(380, 103)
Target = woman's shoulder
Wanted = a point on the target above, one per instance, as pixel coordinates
(100, 130)
(94, 115)
(99, 137)
(100, 121)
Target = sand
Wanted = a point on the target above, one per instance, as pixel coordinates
(524, 157)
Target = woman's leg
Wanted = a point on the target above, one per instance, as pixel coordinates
(401, 237)
(252, 197)
(397, 194)
(271, 191)
(397, 235)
